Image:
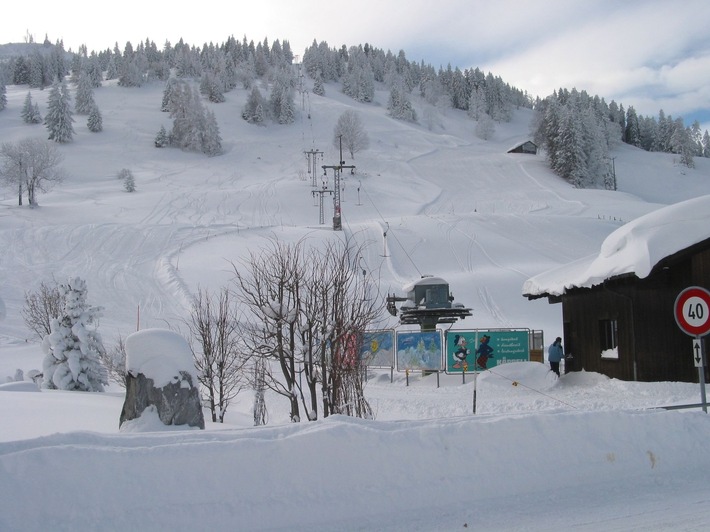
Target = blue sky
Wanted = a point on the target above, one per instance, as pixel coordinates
(652, 54)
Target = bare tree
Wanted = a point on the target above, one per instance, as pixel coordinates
(41, 307)
(351, 132)
(220, 364)
(115, 362)
(307, 311)
(348, 307)
(269, 288)
(31, 165)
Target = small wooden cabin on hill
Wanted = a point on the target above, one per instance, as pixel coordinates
(524, 147)
(618, 307)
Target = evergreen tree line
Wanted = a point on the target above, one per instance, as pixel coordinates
(359, 67)
(575, 128)
(577, 131)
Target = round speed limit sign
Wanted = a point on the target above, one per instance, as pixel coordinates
(692, 311)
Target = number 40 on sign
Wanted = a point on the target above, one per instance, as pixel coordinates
(692, 311)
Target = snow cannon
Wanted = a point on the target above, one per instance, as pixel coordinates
(428, 303)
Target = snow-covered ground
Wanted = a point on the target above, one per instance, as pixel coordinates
(583, 452)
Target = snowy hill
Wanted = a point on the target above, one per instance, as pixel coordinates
(451, 205)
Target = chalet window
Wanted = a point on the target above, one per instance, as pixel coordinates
(608, 337)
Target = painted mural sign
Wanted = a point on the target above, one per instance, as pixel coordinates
(377, 349)
(482, 349)
(419, 350)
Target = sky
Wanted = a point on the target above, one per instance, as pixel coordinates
(649, 54)
(426, 198)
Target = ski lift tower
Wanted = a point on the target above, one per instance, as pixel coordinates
(428, 303)
(337, 217)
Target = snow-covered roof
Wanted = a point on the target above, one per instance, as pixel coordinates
(636, 248)
(425, 280)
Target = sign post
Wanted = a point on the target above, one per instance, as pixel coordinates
(692, 314)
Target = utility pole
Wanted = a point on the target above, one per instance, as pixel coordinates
(313, 164)
(337, 215)
(323, 190)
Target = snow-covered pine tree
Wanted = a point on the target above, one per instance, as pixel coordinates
(162, 139)
(253, 111)
(73, 348)
(477, 103)
(706, 144)
(95, 121)
(211, 139)
(281, 100)
(129, 182)
(399, 106)
(632, 134)
(211, 87)
(84, 95)
(318, 87)
(3, 95)
(30, 112)
(59, 114)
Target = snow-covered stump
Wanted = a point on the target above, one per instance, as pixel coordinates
(161, 375)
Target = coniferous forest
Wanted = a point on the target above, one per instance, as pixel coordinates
(576, 130)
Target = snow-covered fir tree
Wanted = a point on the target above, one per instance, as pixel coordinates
(95, 121)
(3, 95)
(162, 139)
(194, 127)
(281, 99)
(254, 110)
(59, 114)
(212, 87)
(211, 138)
(318, 87)
(84, 102)
(30, 111)
(129, 182)
(399, 106)
(73, 348)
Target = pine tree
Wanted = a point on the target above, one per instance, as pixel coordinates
(161, 139)
(30, 112)
(254, 110)
(129, 182)
(3, 94)
(59, 114)
(84, 95)
(95, 122)
(73, 348)
(212, 88)
(399, 106)
(318, 87)
(632, 135)
(477, 103)
(211, 139)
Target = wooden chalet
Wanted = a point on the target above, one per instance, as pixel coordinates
(524, 147)
(618, 308)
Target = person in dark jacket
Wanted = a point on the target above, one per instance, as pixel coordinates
(555, 353)
(484, 352)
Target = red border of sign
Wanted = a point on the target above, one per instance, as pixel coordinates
(687, 328)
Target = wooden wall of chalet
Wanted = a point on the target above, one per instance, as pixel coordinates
(647, 332)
